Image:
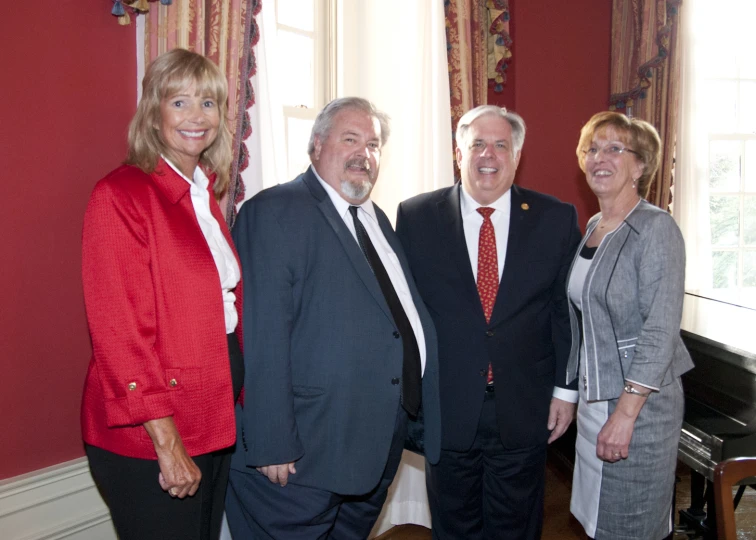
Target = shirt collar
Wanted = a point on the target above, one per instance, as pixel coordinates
(200, 178)
(468, 205)
(342, 206)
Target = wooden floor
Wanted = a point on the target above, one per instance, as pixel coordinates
(560, 525)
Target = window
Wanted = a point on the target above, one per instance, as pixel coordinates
(302, 30)
(719, 95)
(729, 86)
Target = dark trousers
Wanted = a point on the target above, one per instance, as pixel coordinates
(141, 510)
(489, 492)
(258, 509)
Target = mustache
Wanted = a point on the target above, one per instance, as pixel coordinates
(358, 162)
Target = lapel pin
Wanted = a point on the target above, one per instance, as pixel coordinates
(525, 206)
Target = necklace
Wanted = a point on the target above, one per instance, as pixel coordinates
(616, 221)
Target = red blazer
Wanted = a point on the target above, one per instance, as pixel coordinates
(155, 312)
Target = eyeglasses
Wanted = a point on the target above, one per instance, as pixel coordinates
(611, 150)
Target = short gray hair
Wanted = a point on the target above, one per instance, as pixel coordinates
(324, 120)
(514, 119)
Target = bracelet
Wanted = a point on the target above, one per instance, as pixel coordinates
(630, 389)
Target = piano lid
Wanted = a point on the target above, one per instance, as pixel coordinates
(724, 318)
(720, 391)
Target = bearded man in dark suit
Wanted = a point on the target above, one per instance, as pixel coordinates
(340, 353)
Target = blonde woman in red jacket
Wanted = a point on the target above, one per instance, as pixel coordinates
(162, 291)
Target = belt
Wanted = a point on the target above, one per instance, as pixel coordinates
(489, 388)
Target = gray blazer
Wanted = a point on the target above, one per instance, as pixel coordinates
(632, 306)
(323, 357)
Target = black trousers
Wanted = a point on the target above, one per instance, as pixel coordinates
(260, 510)
(489, 492)
(141, 510)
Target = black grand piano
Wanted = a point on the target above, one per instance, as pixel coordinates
(720, 397)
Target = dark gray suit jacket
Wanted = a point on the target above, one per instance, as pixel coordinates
(321, 355)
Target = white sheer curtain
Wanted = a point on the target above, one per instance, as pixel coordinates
(267, 144)
(691, 190)
(393, 52)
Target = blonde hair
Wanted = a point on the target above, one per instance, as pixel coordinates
(169, 74)
(640, 136)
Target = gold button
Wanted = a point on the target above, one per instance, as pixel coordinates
(172, 382)
(132, 386)
(525, 206)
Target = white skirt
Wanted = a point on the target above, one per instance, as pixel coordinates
(586, 480)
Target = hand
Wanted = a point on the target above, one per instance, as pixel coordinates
(179, 475)
(613, 442)
(561, 414)
(278, 474)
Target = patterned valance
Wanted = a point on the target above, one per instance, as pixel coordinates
(124, 8)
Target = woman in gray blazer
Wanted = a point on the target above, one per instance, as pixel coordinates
(626, 293)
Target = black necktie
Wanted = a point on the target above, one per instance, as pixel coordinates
(411, 390)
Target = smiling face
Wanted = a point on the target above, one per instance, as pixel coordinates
(486, 158)
(348, 157)
(612, 175)
(188, 125)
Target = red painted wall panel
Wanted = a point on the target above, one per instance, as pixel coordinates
(68, 93)
(561, 56)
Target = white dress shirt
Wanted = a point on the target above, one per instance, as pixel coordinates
(228, 269)
(471, 223)
(367, 217)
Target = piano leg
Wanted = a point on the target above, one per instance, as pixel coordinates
(695, 519)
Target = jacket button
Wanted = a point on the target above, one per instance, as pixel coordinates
(397, 335)
(489, 333)
(395, 381)
(132, 386)
(483, 372)
(173, 383)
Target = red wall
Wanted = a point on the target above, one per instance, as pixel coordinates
(69, 74)
(559, 79)
(69, 86)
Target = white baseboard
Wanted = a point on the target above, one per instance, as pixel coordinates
(56, 503)
(62, 503)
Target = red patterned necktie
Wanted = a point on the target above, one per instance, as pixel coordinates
(488, 269)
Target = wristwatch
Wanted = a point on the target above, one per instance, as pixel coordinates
(630, 389)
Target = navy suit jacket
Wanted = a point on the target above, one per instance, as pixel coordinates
(321, 355)
(528, 338)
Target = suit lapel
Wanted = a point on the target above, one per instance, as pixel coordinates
(451, 229)
(348, 242)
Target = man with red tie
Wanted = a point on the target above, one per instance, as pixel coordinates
(490, 260)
